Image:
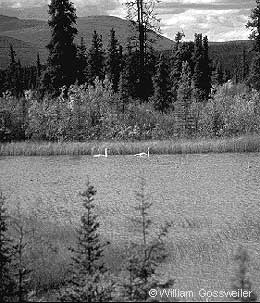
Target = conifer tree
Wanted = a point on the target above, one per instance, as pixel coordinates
(13, 72)
(128, 79)
(114, 62)
(254, 25)
(146, 255)
(62, 50)
(123, 89)
(184, 95)
(88, 283)
(7, 284)
(82, 62)
(142, 15)
(162, 86)
(254, 75)
(38, 71)
(241, 280)
(244, 65)
(22, 271)
(182, 52)
(218, 74)
(201, 75)
(96, 59)
(206, 82)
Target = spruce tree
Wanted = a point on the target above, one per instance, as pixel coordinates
(254, 24)
(254, 75)
(241, 282)
(206, 82)
(182, 52)
(143, 17)
(162, 86)
(7, 284)
(89, 282)
(96, 59)
(38, 71)
(114, 61)
(201, 75)
(13, 72)
(217, 74)
(22, 271)
(82, 62)
(146, 255)
(184, 94)
(62, 50)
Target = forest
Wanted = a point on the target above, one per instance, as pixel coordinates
(127, 93)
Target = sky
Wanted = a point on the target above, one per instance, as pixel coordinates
(220, 20)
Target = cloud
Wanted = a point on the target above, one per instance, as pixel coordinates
(219, 19)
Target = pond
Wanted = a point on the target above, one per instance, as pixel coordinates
(212, 199)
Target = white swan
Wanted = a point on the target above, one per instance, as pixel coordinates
(101, 155)
(144, 154)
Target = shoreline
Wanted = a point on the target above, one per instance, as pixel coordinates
(250, 143)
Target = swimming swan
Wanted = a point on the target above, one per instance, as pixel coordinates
(101, 155)
(144, 154)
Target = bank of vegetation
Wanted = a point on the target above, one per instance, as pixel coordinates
(76, 265)
(126, 93)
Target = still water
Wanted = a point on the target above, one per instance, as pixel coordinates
(214, 192)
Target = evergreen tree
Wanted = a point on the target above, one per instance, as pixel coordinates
(201, 75)
(217, 74)
(128, 80)
(7, 284)
(19, 224)
(141, 13)
(254, 75)
(123, 89)
(206, 82)
(12, 72)
(88, 283)
(82, 62)
(114, 62)
(146, 255)
(162, 86)
(241, 280)
(184, 94)
(38, 71)
(254, 24)
(182, 52)
(62, 50)
(244, 65)
(96, 59)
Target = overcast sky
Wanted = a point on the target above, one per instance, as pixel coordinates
(220, 20)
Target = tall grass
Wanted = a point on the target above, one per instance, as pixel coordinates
(193, 146)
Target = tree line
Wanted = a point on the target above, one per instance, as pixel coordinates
(178, 83)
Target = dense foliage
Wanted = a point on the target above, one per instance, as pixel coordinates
(97, 92)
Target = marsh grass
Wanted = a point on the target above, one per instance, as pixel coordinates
(192, 146)
(191, 243)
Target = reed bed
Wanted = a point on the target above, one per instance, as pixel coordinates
(193, 146)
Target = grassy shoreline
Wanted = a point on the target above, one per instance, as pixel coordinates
(185, 146)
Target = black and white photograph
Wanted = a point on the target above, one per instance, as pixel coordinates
(129, 151)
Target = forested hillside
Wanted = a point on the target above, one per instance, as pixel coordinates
(35, 34)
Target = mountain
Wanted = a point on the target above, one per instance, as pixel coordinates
(13, 23)
(31, 36)
(36, 33)
(24, 50)
(35, 12)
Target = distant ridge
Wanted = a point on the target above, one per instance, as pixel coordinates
(37, 33)
(31, 36)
